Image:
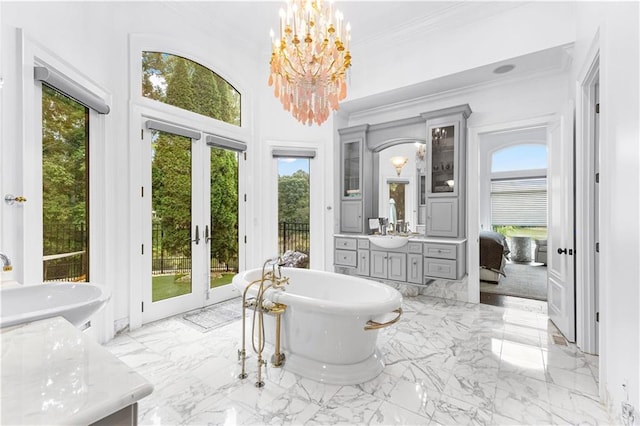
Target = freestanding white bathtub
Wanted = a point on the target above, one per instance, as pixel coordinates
(323, 333)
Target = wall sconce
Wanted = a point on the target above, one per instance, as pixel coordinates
(398, 163)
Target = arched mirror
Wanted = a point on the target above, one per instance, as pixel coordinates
(400, 184)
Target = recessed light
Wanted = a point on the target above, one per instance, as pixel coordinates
(504, 69)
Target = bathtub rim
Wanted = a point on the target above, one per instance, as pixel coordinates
(390, 299)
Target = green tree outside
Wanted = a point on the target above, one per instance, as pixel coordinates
(293, 197)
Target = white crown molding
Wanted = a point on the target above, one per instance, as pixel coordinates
(456, 15)
(361, 114)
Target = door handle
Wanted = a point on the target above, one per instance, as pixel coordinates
(207, 238)
(197, 240)
(565, 251)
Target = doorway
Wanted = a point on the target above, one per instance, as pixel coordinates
(513, 215)
(190, 220)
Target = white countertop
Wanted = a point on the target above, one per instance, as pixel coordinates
(413, 237)
(54, 374)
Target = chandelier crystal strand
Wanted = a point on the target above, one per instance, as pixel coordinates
(310, 60)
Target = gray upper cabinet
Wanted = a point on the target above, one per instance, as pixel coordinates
(440, 184)
(355, 180)
(446, 171)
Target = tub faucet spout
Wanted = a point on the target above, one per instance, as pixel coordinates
(6, 262)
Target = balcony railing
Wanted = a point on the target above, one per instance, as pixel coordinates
(293, 236)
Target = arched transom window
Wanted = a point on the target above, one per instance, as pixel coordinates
(185, 84)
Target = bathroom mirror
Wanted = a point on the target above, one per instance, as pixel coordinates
(401, 176)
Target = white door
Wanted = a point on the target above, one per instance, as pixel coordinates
(561, 259)
(173, 222)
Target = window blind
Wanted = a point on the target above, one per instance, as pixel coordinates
(293, 153)
(519, 202)
(222, 142)
(170, 128)
(70, 88)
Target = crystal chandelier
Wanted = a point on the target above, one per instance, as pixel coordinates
(310, 59)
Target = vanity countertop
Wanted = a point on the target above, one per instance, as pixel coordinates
(54, 374)
(413, 237)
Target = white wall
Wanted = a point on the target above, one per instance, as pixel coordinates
(618, 42)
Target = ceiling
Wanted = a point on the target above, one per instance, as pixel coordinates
(249, 23)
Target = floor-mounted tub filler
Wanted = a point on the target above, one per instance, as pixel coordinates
(321, 325)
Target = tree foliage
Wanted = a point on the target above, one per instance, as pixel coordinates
(65, 127)
(159, 82)
(293, 197)
(195, 88)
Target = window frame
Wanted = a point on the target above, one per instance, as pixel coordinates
(30, 267)
(140, 43)
(144, 108)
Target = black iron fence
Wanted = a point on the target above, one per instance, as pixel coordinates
(65, 256)
(166, 262)
(293, 236)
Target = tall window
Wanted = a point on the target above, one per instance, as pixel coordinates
(65, 187)
(293, 207)
(519, 190)
(180, 82)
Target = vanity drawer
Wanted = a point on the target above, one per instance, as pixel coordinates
(414, 248)
(440, 268)
(346, 243)
(441, 251)
(345, 258)
(363, 244)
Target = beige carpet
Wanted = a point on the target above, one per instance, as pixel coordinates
(522, 280)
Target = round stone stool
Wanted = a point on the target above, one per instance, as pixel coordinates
(520, 249)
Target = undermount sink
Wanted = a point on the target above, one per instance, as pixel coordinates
(389, 241)
(76, 302)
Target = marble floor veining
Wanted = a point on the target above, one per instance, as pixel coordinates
(447, 363)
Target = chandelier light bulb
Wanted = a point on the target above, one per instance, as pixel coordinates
(310, 60)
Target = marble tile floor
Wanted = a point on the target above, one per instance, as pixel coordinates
(448, 362)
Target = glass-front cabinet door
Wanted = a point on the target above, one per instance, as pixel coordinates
(443, 160)
(351, 170)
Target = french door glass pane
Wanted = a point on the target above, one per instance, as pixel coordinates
(223, 246)
(65, 187)
(293, 208)
(171, 202)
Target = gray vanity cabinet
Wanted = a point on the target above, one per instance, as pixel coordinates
(442, 217)
(446, 171)
(363, 258)
(389, 265)
(355, 180)
(351, 216)
(414, 268)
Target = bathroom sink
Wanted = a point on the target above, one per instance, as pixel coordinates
(389, 241)
(76, 302)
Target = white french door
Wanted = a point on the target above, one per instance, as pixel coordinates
(174, 218)
(189, 219)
